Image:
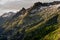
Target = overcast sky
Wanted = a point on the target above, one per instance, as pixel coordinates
(14, 5)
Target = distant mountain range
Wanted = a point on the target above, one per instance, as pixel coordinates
(6, 17)
(39, 22)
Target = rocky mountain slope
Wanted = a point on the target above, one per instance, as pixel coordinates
(5, 17)
(39, 22)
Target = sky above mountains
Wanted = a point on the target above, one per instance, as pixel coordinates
(14, 5)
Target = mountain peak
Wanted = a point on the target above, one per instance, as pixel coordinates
(46, 4)
(38, 4)
(23, 9)
(56, 2)
(8, 14)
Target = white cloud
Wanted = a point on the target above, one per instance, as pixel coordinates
(17, 4)
(5, 1)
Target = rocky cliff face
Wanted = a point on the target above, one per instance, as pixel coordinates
(34, 23)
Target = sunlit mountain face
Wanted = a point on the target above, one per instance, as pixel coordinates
(29, 20)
